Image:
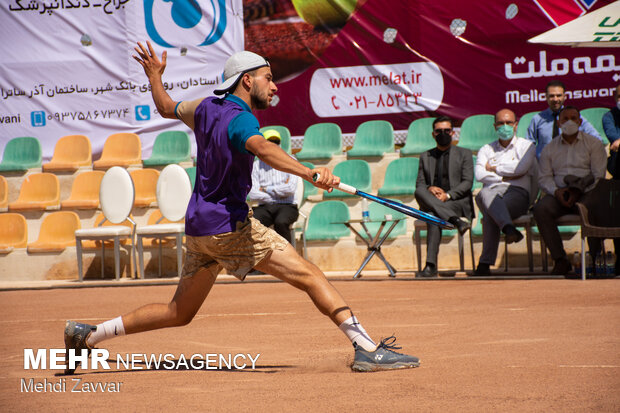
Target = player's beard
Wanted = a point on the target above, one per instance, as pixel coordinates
(259, 99)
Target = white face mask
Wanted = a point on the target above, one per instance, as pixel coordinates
(569, 128)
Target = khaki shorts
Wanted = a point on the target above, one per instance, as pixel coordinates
(238, 251)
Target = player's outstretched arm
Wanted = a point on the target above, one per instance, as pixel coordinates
(274, 156)
(154, 69)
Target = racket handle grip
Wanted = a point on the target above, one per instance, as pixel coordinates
(343, 187)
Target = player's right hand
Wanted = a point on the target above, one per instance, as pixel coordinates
(324, 179)
(149, 61)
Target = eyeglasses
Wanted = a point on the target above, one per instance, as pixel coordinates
(438, 131)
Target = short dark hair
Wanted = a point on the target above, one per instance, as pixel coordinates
(442, 119)
(569, 107)
(555, 83)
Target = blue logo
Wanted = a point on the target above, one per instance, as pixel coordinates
(143, 112)
(37, 118)
(588, 3)
(187, 14)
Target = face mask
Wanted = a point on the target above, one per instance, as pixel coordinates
(569, 128)
(443, 139)
(505, 132)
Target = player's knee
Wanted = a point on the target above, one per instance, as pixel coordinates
(181, 318)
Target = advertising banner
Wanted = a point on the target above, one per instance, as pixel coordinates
(401, 60)
(66, 65)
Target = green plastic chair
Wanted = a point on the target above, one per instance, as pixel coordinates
(477, 131)
(324, 222)
(309, 189)
(354, 172)
(321, 141)
(476, 184)
(21, 154)
(373, 138)
(419, 137)
(285, 136)
(377, 212)
(192, 175)
(524, 123)
(170, 147)
(400, 177)
(595, 117)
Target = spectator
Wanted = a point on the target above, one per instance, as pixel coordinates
(544, 126)
(504, 167)
(611, 126)
(443, 187)
(274, 191)
(570, 166)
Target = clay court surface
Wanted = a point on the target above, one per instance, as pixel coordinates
(549, 345)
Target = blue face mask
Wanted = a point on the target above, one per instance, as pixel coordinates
(505, 132)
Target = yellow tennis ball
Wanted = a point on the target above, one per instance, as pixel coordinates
(325, 12)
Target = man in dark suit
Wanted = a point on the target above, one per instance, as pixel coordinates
(443, 187)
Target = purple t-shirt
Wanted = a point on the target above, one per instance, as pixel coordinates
(223, 166)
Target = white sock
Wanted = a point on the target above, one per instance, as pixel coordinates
(106, 330)
(356, 333)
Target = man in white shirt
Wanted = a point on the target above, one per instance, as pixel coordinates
(274, 192)
(570, 166)
(504, 167)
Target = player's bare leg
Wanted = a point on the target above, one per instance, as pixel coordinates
(188, 298)
(289, 266)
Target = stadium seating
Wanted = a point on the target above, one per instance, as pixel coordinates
(84, 191)
(116, 196)
(373, 138)
(524, 123)
(477, 131)
(285, 136)
(57, 232)
(419, 137)
(4, 194)
(145, 184)
(377, 212)
(70, 153)
(191, 172)
(400, 177)
(476, 184)
(13, 232)
(39, 191)
(309, 189)
(326, 221)
(173, 193)
(595, 117)
(21, 154)
(321, 141)
(120, 149)
(170, 147)
(354, 172)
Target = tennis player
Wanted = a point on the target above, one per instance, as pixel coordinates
(219, 227)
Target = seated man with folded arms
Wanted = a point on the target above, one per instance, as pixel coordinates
(504, 168)
(569, 168)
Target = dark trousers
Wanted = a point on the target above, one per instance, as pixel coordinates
(546, 211)
(281, 216)
(444, 210)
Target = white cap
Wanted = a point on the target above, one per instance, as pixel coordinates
(236, 66)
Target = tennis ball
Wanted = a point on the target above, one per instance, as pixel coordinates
(328, 13)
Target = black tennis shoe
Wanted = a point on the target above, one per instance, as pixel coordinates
(383, 358)
(75, 338)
